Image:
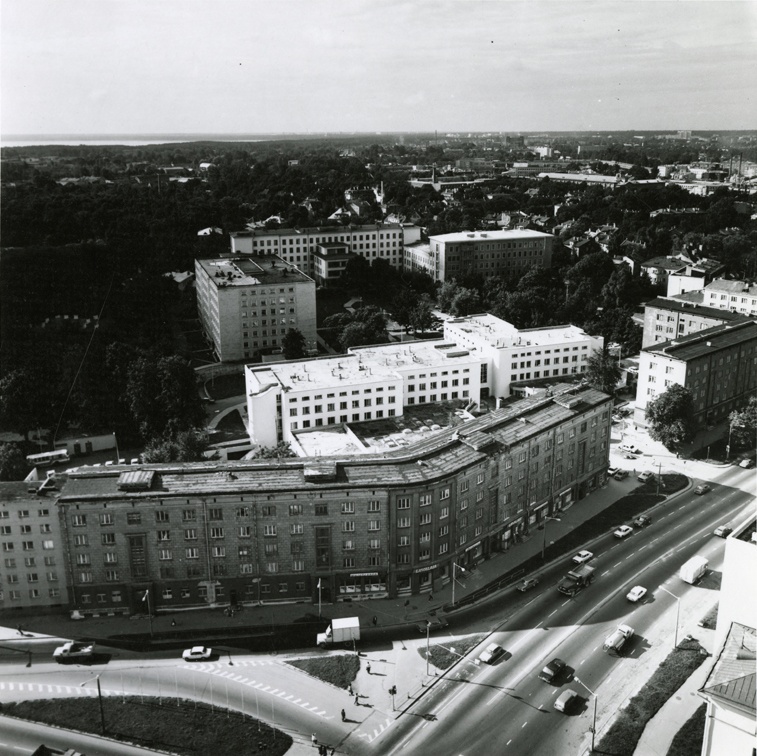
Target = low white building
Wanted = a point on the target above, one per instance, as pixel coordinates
(511, 355)
(367, 383)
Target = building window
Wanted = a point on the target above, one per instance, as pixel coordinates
(106, 518)
(403, 503)
(133, 518)
(109, 539)
(269, 530)
(374, 524)
(161, 515)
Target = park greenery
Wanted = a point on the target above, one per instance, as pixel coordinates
(671, 417)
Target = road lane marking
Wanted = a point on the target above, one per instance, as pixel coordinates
(602, 575)
(555, 612)
(524, 724)
(617, 565)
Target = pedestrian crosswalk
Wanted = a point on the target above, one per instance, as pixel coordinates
(46, 689)
(377, 730)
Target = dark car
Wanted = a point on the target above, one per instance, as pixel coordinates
(527, 584)
(642, 521)
(552, 671)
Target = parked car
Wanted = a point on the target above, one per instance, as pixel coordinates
(701, 489)
(629, 448)
(438, 623)
(746, 463)
(582, 556)
(645, 476)
(620, 474)
(553, 670)
(723, 531)
(636, 594)
(197, 653)
(565, 700)
(612, 470)
(527, 584)
(491, 653)
(642, 521)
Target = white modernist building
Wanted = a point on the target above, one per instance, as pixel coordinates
(247, 304)
(511, 355)
(480, 356)
(367, 383)
(737, 296)
(297, 246)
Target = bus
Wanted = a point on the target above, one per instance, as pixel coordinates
(47, 459)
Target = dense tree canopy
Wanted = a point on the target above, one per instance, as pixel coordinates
(670, 417)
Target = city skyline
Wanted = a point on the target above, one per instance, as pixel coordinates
(326, 66)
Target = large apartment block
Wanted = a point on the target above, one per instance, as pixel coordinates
(737, 296)
(718, 365)
(484, 252)
(666, 319)
(33, 570)
(298, 246)
(247, 304)
(364, 526)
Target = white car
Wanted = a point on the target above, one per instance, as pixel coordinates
(636, 594)
(197, 653)
(491, 653)
(582, 556)
(645, 476)
(623, 531)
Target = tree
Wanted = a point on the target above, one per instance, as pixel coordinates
(602, 372)
(743, 425)
(670, 417)
(282, 450)
(293, 344)
(465, 302)
(13, 464)
(25, 401)
(422, 316)
(184, 446)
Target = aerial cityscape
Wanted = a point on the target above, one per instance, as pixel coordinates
(378, 378)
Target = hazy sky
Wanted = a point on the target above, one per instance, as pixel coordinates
(193, 66)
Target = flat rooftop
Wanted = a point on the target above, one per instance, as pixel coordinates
(494, 235)
(706, 342)
(500, 333)
(680, 305)
(320, 230)
(252, 270)
(362, 364)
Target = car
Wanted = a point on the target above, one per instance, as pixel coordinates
(623, 531)
(615, 642)
(746, 463)
(197, 653)
(612, 470)
(617, 419)
(645, 476)
(527, 584)
(491, 653)
(553, 670)
(636, 594)
(629, 448)
(620, 474)
(701, 489)
(723, 531)
(438, 623)
(582, 556)
(642, 521)
(565, 700)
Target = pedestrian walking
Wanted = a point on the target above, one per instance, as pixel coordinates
(173, 623)
(322, 750)
(368, 668)
(349, 689)
(314, 739)
(344, 716)
(333, 750)
(357, 702)
(430, 596)
(375, 620)
(407, 602)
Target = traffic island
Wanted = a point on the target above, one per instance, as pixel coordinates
(626, 730)
(180, 726)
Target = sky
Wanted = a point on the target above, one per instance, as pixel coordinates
(310, 66)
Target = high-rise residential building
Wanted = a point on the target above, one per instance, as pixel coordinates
(247, 304)
(483, 252)
(718, 366)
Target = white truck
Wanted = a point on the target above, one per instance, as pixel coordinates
(694, 569)
(617, 639)
(73, 650)
(342, 630)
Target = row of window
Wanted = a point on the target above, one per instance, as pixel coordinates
(25, 529)
(31, 577)
(27, 545)
(34, 593)
(23, 513)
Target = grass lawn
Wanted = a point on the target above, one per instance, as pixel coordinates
(338, 669)
(443, 656)
(169, 724)
(710, 619)
(688, 740)
(226, 386)
(624, 733)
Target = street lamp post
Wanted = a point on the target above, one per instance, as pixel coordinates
(454, 579)
(594, 719)
(99, 699)
(678, 614)
(428, 631)
(544, 543)
(149, 609)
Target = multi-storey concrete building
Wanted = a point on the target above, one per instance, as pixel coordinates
(33, 568)
(521, 355)
(718, 365)
(484, 252)
(298, 245)
(389, 524)
(666, 319)
(737, 296)
(249, 303)
(367, 383)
